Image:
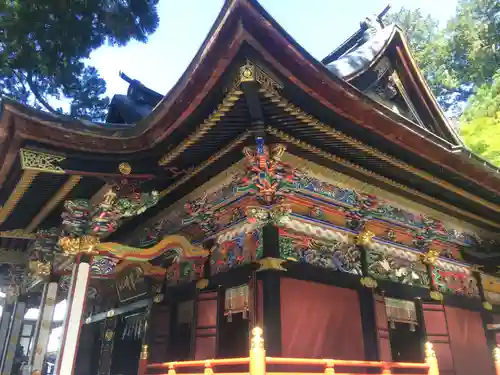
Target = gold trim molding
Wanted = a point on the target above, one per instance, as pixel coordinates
(17, 233)
(249, 72)
(41, 161)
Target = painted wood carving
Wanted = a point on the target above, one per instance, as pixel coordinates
(396, 264)
(243, 248)
(335, 254)
(491, 287)
(453, 278)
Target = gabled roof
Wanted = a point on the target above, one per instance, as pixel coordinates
(385, 54)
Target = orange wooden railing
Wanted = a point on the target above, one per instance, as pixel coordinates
(257, 362)
(496, 359)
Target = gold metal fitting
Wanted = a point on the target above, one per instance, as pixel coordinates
(125, 168)
(364, 238)
(80, 245)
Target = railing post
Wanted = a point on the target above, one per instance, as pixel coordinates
(386, 369)
(330, 368)
(171, 369)
(143, 361)
(430, 359)
(496, 358)
(257, 353)
(208, 368)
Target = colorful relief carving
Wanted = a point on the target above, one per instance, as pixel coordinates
(102, 266)
(202, 212)
(271, 191)
(336, 255)
(490, 283)
(452, 278)
(395, 264)
(185, 271)
(366, 206)
(361, 212)
(429, 230)
(267, 177)
(491, 288)
(81, 217)
(152, 235)
(244, 248)
(278, 215)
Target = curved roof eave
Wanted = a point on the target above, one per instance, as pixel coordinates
(357, 61)
(424, 87)
(92, 137)
(246, 21)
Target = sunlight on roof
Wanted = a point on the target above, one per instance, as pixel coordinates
(59, 312)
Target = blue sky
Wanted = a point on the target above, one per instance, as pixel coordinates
(318, 25)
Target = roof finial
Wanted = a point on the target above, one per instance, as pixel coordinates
(382, 14)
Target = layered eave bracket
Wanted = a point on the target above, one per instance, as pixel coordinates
(200, 127)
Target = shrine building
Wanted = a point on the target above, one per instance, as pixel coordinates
(271, 213)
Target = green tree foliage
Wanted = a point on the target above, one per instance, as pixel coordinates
(480, 122)
(429, 47)
(43, 44)
(461, 62)
(460, 56)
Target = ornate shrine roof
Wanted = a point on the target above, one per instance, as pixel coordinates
(331, 115)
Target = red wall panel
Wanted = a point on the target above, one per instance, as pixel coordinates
(320, 321)
(468, 342)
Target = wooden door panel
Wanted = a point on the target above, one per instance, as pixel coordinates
(205, 333)
(382, 326)
(436, 331)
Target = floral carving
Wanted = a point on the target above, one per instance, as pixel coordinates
(201, 211)
(362, 211)
(454, 280)
(428, 232)
(397, 265)
(336, 255)
(81, 217)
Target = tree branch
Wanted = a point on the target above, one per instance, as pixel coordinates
(38, 96)
(20, 77)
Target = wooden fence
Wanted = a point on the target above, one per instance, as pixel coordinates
(257, 364)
